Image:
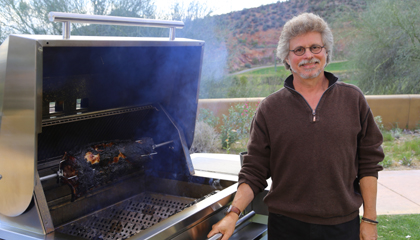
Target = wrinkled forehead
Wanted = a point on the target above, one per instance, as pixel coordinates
(306, 40)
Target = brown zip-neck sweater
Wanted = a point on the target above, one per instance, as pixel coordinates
(315, 157)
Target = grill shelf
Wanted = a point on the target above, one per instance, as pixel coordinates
(99, 114)
(126, 218)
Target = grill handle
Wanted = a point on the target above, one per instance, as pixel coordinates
(67, 18)
(238, 223)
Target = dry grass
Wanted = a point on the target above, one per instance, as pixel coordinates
(206, 139)
(402, 151)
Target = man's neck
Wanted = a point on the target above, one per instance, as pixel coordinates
(310, 86)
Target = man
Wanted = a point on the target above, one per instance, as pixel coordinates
(318, 141)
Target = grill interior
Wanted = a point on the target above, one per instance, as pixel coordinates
(126, 218)
(60, 135)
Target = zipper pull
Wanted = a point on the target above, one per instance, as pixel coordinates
(314, 116)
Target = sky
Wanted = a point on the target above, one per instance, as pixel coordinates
(218, 6)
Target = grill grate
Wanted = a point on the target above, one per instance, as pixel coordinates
(127, 218)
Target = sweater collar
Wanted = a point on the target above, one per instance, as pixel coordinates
(332, 79)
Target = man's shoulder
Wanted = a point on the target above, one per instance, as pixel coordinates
(349, 88)
(273, 100)
(275, 96)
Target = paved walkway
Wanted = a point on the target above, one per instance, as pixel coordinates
(398, 191)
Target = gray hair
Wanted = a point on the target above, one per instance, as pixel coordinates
(304, 23)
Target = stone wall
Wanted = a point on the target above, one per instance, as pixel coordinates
(403, 110)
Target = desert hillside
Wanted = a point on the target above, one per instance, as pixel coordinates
(251, 35)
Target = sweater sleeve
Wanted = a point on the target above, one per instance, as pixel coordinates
(255, 168)
(369, 149)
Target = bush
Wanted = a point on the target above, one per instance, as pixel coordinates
(378, 121)
(255, 60)
(387, 136)
(387, 162)
(206, 139)
(237, 124)
(396, 132)
(207, 116)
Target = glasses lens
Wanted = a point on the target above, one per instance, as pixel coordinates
(299, 51)
(316, 48)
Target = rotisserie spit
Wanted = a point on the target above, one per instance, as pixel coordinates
(97, 164)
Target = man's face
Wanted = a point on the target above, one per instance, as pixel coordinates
(309, 65)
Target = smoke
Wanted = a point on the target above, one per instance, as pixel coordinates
(201, 26)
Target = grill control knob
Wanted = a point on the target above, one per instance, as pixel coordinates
(1, 176)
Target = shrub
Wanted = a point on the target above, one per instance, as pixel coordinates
(387, 162)
(228, 132)
(266, 27)
(254, 44)
(406, 160)
(396, 132)
(207, 116)
(255, 61)
(206, 139)
(378, 121)
(237, 124)
(387, 136)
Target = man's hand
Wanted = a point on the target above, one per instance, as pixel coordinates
(226, 226)
(368, 231)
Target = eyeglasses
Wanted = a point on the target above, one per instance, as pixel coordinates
(315, 49)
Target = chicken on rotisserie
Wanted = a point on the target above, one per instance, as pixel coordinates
(96, 164)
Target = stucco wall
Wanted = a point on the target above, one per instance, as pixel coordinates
(403, 110)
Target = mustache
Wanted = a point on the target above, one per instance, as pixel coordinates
(313, 60)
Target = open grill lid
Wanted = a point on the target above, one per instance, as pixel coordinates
(46, 76)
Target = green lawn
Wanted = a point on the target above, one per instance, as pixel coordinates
(395, 227)
(280, 71)
(339, 67)
(332, 67)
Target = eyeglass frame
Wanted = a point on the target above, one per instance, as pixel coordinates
(306, 48)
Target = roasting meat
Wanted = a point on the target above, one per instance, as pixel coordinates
(97, 164)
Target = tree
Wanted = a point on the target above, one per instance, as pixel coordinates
(31, 17)
(122, 8)
(386, 49)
